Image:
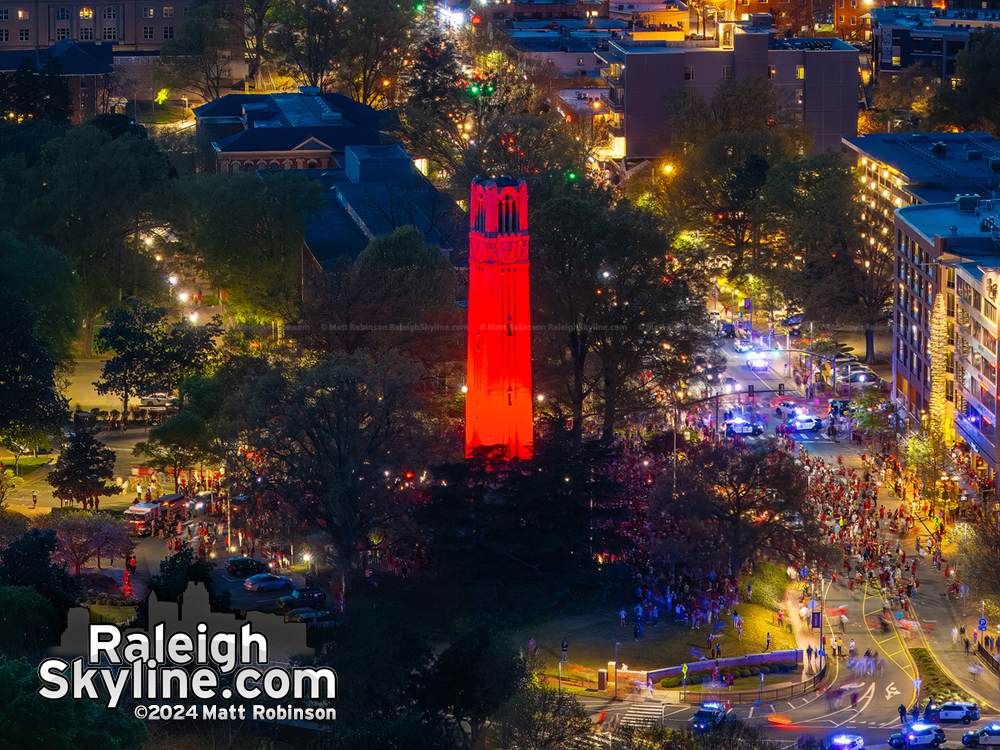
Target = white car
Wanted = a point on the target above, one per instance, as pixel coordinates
(156, 399)
(847, 742)
(918, 735)
(806, 423)
(742, 347)
(742, 427)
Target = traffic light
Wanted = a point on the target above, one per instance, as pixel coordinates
(781, 389)
(474, 90)
(750, 390)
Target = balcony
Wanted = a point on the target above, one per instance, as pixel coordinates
(616, 131)
(614, 104)
(614, 80)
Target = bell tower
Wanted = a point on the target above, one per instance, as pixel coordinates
(498, 405)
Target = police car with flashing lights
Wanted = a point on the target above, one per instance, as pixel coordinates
(709, 717)
(918, 735)
(847, 742)
(986, 737)
(742, 427)
(962, 711)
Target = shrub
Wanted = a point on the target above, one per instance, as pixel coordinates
(764, 669)
(754, 672)
(783, 668)
(694, 679)
(768, 585)
(670, 682)
(744, 673)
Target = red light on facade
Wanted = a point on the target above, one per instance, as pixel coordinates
(477, 20)
(498, 403)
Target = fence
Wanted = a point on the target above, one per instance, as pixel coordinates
(990, 660)
(756, 696)
(736, 661)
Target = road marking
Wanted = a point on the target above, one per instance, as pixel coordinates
(751, 712)
(890, 690)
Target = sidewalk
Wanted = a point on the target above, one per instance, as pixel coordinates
(939, 614)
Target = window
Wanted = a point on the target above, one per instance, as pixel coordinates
(800, 72)
(185, 11)
(62, 14)
(86, 13)
(4, 35)
(83, 101)
(24, 35)
(87, 34)
(771, 71)
(727, 72)
(579, 61)
(62, 33)
(854, 20)
(168, 32)
(4, 15)
(110, 33)
(23, 15)
(147, 12)
(841, 19)
(989, 311)
(147, 32)
(799, 98)
(168, 11)
(110, 14)
(688, 73)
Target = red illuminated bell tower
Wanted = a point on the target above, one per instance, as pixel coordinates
(498, 406)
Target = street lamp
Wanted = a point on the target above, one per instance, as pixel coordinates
(560, 684)
(617, 644)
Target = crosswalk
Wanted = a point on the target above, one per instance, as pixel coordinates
(644, 714)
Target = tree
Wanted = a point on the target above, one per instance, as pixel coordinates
(537, 718)
(456, 694)
(308, 38)
(259, 262)
(29, 397)
(324, 435)
(8, 483)
(27, 561)
(85, 536)
(37, 95)
(148, 356)
(100, 193)
(973, 102)
(202, 53)
(24, 620)
(927, 456)
(376, 49)
(27, 718)
(176, 445)
(901, 93)
(44, 278)
(755, 498)
(83, 469)
(134, 335)
(255, 24)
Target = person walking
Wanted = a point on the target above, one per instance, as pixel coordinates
(34, 498)
(768, 646)
(902, 714)
(622, 615)
(565, 649)
(966, 646)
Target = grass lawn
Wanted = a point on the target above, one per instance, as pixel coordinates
(26, 464)
(106, 613)
(592, 641)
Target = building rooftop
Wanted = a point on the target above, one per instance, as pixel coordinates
(918, 158)
(932, 220)
(75, 58)
(794, 43)
(304, 108)
(941, 19)
(596, 24)
(330, 137)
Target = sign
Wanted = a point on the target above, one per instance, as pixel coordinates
(982, 623)
(991, 288)
(965, 589)
(684, 669)
(696, 652)
(747, 304)
(815, 619)
(916, 684)
(813, 604)
(982, 628)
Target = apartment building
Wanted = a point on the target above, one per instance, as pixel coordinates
(816, 78)
(928, 37)
(948, 265)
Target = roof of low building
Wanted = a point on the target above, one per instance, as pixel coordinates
(75, 58)
(330, 137)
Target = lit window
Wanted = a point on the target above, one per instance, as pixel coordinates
(771, 71)
(147, 12)
(86, 13)
(168, 11)
(23, 15)
(800, 72)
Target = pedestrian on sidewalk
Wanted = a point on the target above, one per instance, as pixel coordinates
(966, 646)
(954, 636)
(768, 646)
(34, 498)
(902, 714)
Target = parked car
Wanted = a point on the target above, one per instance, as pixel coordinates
(918, 735)
(244, 567)
(303, 598)
(986, 737)
(742, 347)
(156, 399)
(267, 582)
(962, 711)
(708, 717)
(307, 615)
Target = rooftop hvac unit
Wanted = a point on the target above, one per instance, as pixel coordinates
(994, 162)
(939, 149)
